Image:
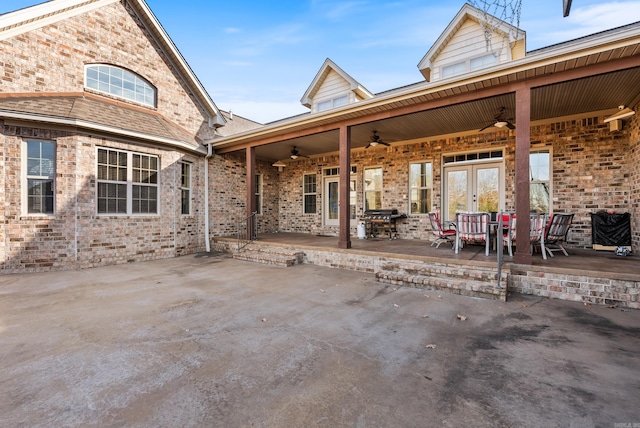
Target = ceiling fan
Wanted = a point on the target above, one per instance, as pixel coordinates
(375, 140)
(499, 120)
(295, 154)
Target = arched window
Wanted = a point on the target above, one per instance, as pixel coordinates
(120, 83)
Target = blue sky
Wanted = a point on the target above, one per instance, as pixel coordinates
(257, 58)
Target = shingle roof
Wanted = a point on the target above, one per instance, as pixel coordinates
(93, 110)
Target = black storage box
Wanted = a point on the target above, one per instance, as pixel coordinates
(610, 231)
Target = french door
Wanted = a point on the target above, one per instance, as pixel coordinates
(473, 187)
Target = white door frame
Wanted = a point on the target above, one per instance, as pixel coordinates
(471, 168)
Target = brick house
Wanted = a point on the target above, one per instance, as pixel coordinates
(112, 151)
(102, 124)
(491, 127)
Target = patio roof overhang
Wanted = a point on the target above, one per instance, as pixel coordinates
(589, 76)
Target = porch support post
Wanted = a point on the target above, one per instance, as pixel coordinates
(251, 186)
(523, 142)
(344, 240)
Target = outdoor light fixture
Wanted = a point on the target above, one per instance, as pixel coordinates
(280, 165)
(622, 114)
(500, 124)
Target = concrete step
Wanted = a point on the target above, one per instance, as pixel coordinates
(270, 255)
(466, 280)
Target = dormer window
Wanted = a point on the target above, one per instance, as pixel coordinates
(332, 103)
(469, 65)
(121, 83)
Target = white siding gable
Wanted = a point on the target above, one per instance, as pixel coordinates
(468, 43)
(334, 86)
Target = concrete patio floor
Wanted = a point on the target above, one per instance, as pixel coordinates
(205, 340)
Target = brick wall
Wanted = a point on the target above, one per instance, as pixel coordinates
(76, 236)
(591, 172)
(52, 59)
(228, 194)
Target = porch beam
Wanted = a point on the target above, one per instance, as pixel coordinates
(344, 234)
(251, 185)
(523, 142)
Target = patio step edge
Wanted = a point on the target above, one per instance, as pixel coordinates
(463, 287)
(273, 256)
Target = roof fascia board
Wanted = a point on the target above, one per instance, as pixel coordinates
(38, 16)
(543, 58)
(84, 124)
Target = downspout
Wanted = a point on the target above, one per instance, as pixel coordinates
(207, 245)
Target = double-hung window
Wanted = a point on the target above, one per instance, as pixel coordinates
(127, 182)
(185, 188)
(420, 187)
(41, 176)
(540, 185)
(309, 194)
(373, 188)
(258, 193)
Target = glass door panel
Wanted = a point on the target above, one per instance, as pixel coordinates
(473, 188)
(487, 189)
(457, 192)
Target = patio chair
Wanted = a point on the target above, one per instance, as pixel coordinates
(556, 232)
(508, 231)
(472, 227)
(537, 224)
(443, 235)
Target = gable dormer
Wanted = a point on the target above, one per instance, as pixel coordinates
(472, 41)
(333, 87)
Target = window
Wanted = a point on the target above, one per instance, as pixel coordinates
(454, 69)
(309, 194)
(482, 62)
(185, 188)
(539, 188)
(258, 193)
(120, 83)
(469, 65)
(41, 174)
(333, 103)
(373, 188)
(127, 182)
(420, 187)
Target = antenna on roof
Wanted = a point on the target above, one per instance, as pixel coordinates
(494, 12)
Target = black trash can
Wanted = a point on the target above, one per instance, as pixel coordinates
(610, 231)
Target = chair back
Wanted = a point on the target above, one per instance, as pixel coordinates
(558, 227)
(436, 226)
(537, 224)
(472, 225)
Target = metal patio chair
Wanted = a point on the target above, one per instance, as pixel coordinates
(443, 235)
(508, 235)
(472, 227)
(537, 224)
(556, 233)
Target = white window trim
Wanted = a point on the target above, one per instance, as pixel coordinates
(129, 183)
(259, 192)
(24, 193)
(154, 102)
(189, 188)
(538, 149)
(411, 188)
(364, 186)
(467, 65)
(305, 194)
(332, 102)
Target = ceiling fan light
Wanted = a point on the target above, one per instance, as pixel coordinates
(294, 156)
(500, 124)
(373, 143)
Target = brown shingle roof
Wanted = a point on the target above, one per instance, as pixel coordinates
(96, 110)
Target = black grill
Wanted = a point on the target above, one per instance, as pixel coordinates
(384, 221)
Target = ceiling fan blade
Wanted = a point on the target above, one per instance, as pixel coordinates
(485, 127)
(511, 125)
(384, 143)
(367, 146)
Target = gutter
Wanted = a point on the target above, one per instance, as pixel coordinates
(207, 244)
